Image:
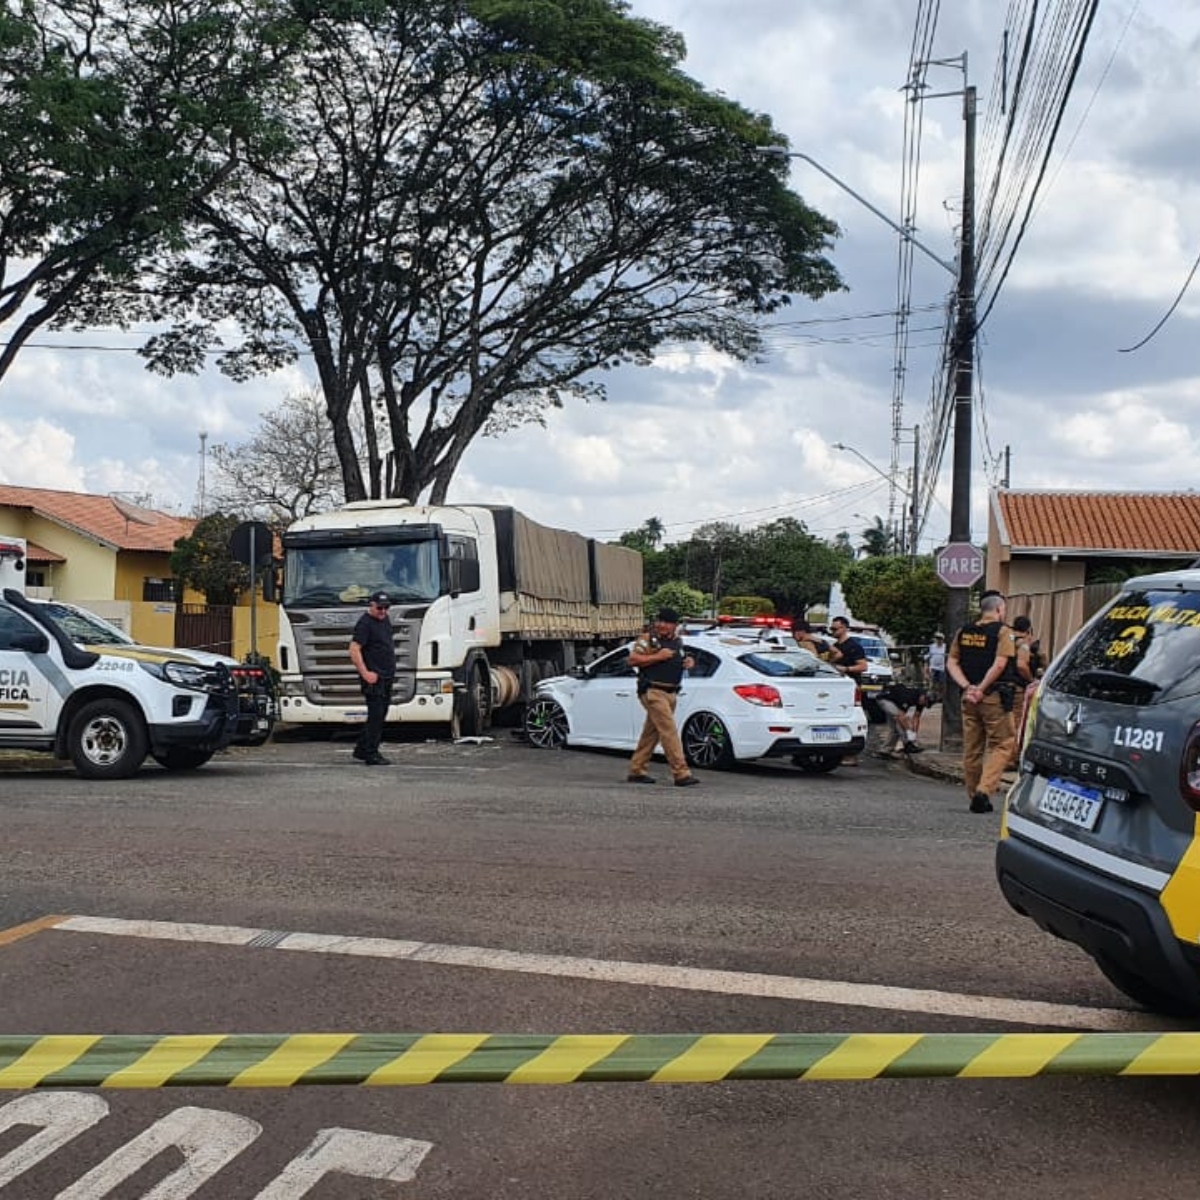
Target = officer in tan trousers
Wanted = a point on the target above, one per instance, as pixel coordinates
(979, 657)
(661, 662)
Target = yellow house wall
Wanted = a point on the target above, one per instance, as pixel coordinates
(266, 626)
(90, 570)
(134, 568)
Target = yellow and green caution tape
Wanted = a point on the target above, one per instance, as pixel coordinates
(409, 1059)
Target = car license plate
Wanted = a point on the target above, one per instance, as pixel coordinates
(827, 733)
(1071, 802)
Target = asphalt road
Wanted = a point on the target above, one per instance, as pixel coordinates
(510, 890)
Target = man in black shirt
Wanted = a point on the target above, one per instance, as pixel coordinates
(849, 657)
(903, 706)
(373, 653)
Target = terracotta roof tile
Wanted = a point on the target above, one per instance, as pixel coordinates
(103, 518)
(1117, 522)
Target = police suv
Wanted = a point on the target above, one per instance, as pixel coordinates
(1101, 840)
(107, 708)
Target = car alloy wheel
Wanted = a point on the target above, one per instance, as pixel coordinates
(706, 742)
(546, 724)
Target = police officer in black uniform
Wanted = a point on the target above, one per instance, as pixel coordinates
(979, 658)
(373, 653)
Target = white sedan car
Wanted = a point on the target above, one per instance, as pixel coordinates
(743, 699)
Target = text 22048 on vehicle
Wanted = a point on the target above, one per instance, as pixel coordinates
(742, 700)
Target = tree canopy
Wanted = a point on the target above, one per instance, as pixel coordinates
(780, 561)
(117, 116)
(483, 205)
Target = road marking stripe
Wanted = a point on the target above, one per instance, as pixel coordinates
(17, 932)
(695, 979)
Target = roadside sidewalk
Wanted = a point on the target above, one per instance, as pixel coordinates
(933, 762)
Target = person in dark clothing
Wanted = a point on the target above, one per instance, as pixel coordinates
(850, 658)
(896, 700)
(979, 657)
(373, 653)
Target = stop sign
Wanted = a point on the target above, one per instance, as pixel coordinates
(959, 564)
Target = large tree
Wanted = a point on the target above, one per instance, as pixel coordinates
(487, 203)
(287, 469)
(115, 117)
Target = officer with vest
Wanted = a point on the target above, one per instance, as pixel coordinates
(661, 661)
(980, 656)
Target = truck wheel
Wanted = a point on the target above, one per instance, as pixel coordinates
(181, 758)
(546, 724)
(706, 742)
(107, 740)
(475, 711)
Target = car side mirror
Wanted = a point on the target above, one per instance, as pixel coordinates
(31, 643)
(578, 672)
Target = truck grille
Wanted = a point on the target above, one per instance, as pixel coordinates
(322, 641)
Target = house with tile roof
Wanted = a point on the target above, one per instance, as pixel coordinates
(105, 553)
(1058, 554)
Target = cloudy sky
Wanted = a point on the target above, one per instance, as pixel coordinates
(697, 437)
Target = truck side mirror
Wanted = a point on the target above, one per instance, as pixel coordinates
(31, 643)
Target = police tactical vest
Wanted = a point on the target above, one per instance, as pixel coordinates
(977, 648)
(670, 671)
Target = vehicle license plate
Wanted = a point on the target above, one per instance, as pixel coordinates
(1071, 802)
(827, 733)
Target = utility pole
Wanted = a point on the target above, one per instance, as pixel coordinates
(914, 503)
(963, 368)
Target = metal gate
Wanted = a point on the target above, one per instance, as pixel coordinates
(204, 627)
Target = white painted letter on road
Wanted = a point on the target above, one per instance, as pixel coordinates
(348, 1152)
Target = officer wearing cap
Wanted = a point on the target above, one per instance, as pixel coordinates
(373, 653)
(660, 660)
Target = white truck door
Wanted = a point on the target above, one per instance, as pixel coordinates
(26, 678)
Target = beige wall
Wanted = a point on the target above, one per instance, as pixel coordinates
(267, 628)
(134, 568)
(90, 570)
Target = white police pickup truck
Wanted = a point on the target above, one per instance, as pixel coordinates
(107, 708)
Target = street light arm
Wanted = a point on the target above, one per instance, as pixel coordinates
(865, 459)
(906, 234)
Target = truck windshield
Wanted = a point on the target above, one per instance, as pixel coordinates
(329, 576)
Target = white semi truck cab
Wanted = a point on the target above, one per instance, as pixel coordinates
(485, 602)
